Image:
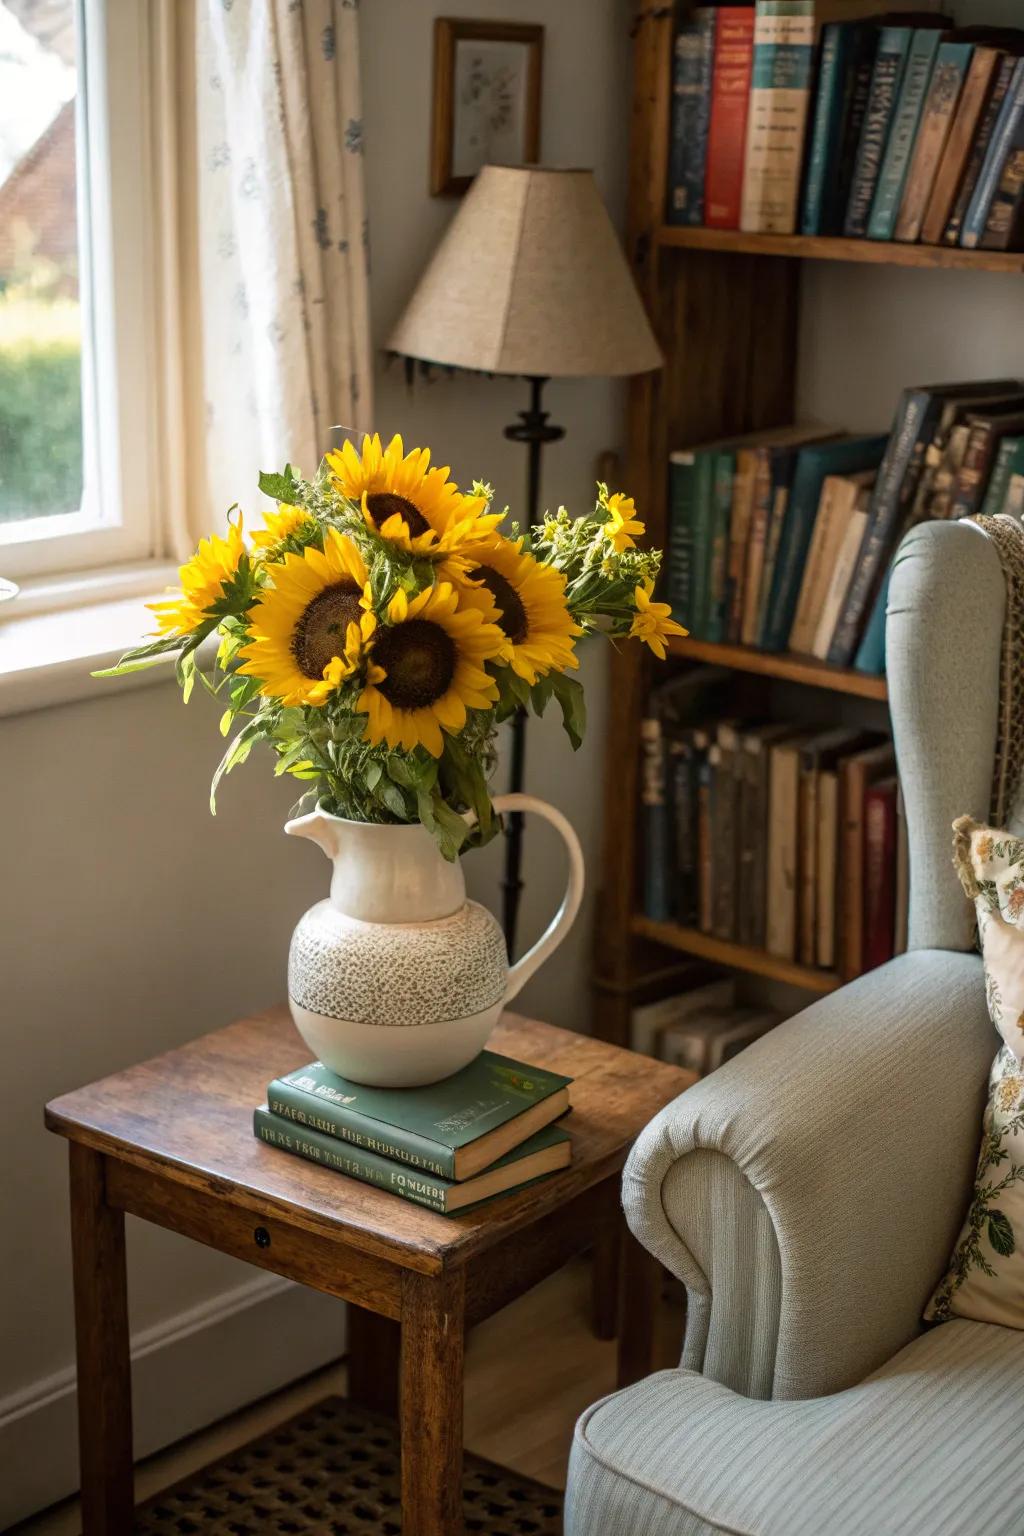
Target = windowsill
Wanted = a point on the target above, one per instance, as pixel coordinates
(47, 658)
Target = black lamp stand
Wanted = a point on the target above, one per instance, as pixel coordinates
(533, 429)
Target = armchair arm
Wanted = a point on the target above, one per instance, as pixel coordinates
(809, 1192)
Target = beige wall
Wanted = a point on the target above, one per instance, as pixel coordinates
(130, 922)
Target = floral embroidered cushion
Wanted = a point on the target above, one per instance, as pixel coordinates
(985, 1278)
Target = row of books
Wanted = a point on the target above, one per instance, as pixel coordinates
(450, 1145)
(782, 540)
(772, 836)
(700, 1024)
(895, 127)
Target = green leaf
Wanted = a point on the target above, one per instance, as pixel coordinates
(372, 775)
(1000, 1233)
(143, 656)
(569, 694)
(393, 798)
(236, 753)
(540, 694)
(226, 720)
(281, 487)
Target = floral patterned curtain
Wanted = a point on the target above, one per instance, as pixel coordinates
(283, 310)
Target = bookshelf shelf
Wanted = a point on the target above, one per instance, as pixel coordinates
(884, 253)
(791, 669)
(757, 962)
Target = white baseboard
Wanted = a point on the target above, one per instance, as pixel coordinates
(187, 1372)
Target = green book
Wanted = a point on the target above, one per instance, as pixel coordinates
(703, 539)
(545, 1152)
(905, 122)
(1009, 462)
(722, 475)
(454, 1128)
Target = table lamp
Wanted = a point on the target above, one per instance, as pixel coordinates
(529, 279)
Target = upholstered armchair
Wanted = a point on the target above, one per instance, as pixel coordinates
(810, 1191)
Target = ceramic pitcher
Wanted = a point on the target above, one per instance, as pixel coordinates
(397, 979)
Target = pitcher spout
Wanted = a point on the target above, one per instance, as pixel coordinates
(319, 827)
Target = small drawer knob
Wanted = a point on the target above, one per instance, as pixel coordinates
(262, 1237)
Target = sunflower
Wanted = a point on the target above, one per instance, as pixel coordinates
(313, 615)
(653, 622)
(202, 583)
(622, 522)
(530, 603)
(427, 668)
(404, 500)
(279, 524)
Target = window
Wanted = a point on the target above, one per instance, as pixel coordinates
(76, 369)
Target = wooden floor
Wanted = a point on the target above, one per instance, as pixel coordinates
(530, 1371)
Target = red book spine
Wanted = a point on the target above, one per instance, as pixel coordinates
(879, 873)
(727, 127)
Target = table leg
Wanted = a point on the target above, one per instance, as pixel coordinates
(604, 1282)
(373, 1359)
(639, 1301)
(433, 1333)
(101, 1341)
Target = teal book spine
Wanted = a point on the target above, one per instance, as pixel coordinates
(1009, 462)
(870, 655)
(831, 100)
(813, 463)
(681, 585)
(1006, 132)
(886, 78)
(703, 505)
(906, 120)
(723, 475)
(692, 57)
(392, 1141)
(318, 1147)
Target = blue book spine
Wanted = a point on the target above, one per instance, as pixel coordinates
(722, 476)
(1007, 458)
(812, 465)
(905, 122)
(834, 79)
(893, 47)
(681, 584)
(870, 655)
(1007, 130)
(893, 491)
(692, 58)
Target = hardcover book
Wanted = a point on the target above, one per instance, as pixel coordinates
(783, 847)
(844, 80)
(725, 795)
(752, 863)
(856, 774)
(649, 1021)
(879, 873)
(692, 54)
(886, 77)
(727, 128)
(819, 754)
(1007, 139)
(979, 148)
(1009, 462)
(779, 96)
(924, 45)
(741, 519)
(545, 1152)
(719, 492)
(842, 574)
(814, 461)
(952, 64)
(657, 834)
(839, 496)
(974, 98)
(986, 433)
(454, 1128)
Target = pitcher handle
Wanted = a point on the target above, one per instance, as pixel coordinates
(563, 919)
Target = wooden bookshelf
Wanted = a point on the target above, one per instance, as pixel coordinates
(879, 253)
(725, 308)
(756, 962)
(791, 669)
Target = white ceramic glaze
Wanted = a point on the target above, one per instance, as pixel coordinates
(397, 979)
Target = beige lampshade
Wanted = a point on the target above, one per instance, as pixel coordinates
(529, 279)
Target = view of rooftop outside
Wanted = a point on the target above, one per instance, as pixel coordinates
(40, 330)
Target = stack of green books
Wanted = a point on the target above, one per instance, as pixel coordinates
(449, 1145)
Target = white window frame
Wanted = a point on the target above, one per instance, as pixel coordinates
(118, 522)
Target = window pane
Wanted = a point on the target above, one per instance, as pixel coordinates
(40, 328)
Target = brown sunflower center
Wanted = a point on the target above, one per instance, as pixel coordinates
(320, 634)
(419, 659)
(511, 613)
(384, 504)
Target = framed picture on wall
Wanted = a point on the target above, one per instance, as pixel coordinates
(486, 99)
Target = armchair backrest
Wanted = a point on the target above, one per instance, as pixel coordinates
(944, 628)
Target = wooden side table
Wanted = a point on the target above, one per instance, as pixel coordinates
(171, 1141)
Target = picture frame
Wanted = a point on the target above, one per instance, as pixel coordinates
(486, 105)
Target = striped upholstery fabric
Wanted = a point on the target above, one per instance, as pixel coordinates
(810, 1191)
(930, 1445)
